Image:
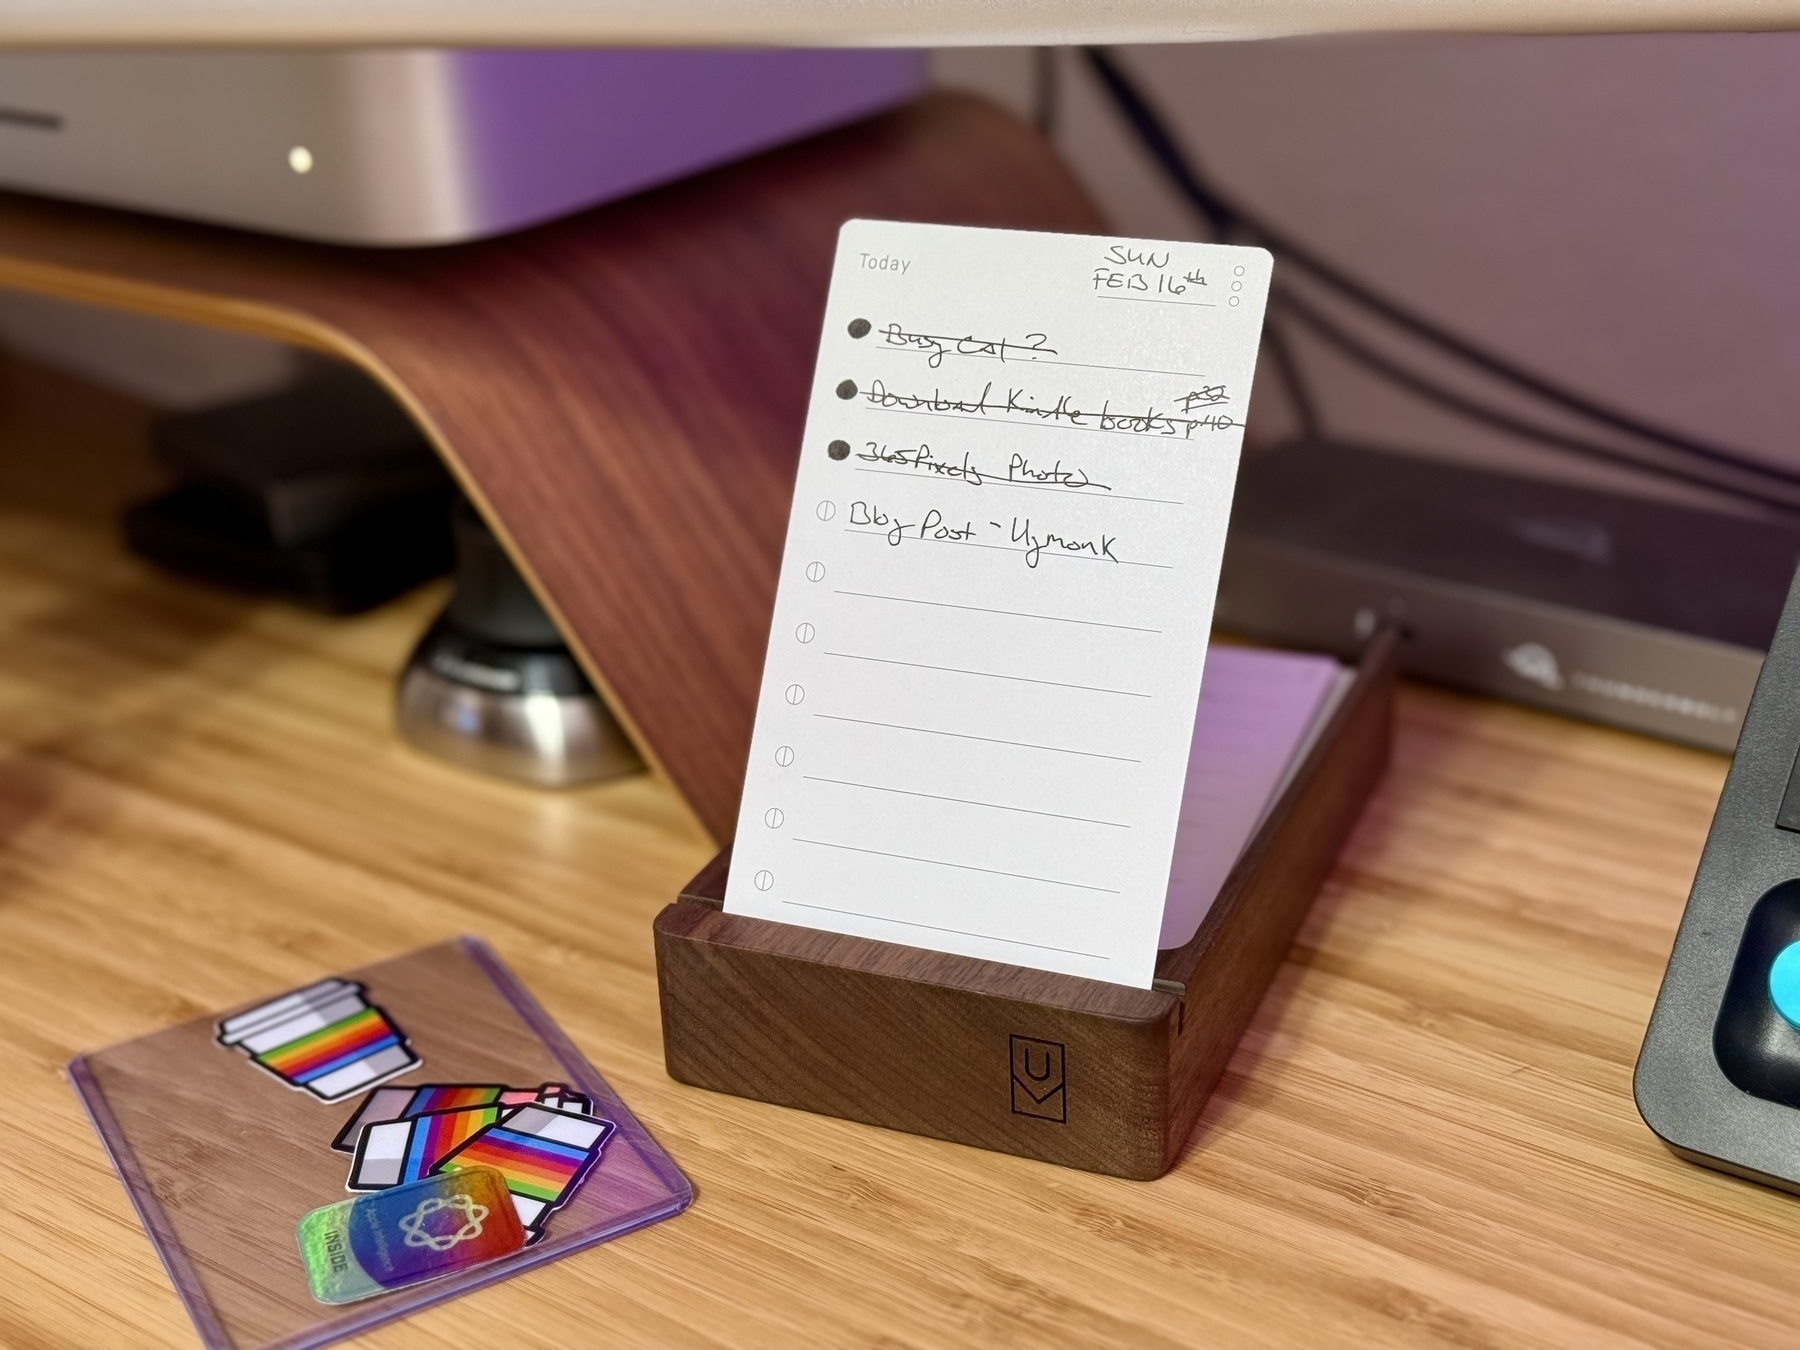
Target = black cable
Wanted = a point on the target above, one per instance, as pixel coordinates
(1433, 392)
(1225, 219)
(1222, 219)
(1226, 216)
(1299, 397)
(1222, 215)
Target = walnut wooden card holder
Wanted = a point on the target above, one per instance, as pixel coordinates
(1072, 1071)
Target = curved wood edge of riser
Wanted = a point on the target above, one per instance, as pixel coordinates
(621, 393)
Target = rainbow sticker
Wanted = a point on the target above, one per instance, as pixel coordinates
(326, 1039)
(403, 1103)
(542, 1153)
(330, 1048)
(396, 1152)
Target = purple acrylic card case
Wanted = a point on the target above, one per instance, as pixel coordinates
(222, 1152)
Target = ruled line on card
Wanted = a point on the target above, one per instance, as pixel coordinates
(989, 740)
(962, 867)
(1103, 494)
(1008, 548)
(1159, 300)
(1012, 613)
(1226, 423)
(1041, 361)
(988, 674)
(967, 801)
(959, 932)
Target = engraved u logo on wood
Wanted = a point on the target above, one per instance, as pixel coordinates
(1039, 1081)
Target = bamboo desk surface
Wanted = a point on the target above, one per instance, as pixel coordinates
(1427, 1138)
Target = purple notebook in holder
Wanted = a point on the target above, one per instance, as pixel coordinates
(225, 1137)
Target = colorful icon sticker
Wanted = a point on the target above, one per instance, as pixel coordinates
(396, 1152)
(542, 1153)
(326, 1039)
(403, 1103)
(401, 1236)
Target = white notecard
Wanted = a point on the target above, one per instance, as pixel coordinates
(994, 604)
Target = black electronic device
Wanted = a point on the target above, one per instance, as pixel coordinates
(1718, 1078)
(1645, 614)
(323, 492)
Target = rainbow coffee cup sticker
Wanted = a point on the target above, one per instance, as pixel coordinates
(543, 1154)
(398, 1151)
(358, 1248)
(326, 1039)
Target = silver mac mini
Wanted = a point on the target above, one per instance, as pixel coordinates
(411, 146)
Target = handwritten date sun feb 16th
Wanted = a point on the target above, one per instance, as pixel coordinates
(996, 593)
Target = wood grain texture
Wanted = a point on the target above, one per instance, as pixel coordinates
(942, 1045)
(1426, 1138)
(622, 392)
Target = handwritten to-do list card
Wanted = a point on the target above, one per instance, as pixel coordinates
(994, 604)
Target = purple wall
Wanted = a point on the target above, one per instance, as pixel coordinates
(1621, 212)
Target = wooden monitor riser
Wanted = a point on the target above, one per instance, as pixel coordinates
(621, 393)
